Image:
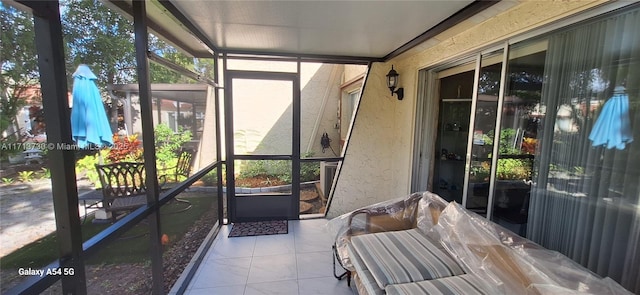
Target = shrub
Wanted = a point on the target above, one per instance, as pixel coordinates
(168, 143)
(46, 173)
(280, 169)
(87, 166)
(513, 169)
(211, 178)
(25, 176)
(250, 169)
(125, 148)
(508, 169)
(309, 171)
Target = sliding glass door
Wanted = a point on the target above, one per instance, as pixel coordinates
(482, 133)
(520, 121)
(552, 149)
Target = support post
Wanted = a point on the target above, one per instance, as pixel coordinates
(148, 142)
(53, 82)
(216, 78)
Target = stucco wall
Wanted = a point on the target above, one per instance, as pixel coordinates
(320, 95)
(263, 126)
(352, 72)
(378, 161)
(367, 169)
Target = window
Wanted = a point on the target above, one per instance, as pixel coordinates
(347, 111)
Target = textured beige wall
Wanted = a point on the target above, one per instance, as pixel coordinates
(367, 170)
(377, 165)
(353, 71)
(263, 125)
(320, 95)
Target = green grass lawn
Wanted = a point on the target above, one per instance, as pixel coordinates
(132, 246)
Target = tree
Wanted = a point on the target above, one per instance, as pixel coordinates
(104, 39)
(19, 67)
(101, 38)
(94, 35)
(160, 74)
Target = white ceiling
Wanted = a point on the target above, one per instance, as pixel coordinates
(336, 28)
(362, 30)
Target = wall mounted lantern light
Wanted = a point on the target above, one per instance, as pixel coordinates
(392, 83)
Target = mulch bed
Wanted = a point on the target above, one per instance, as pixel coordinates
(258, 181)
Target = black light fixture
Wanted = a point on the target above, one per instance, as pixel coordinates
(392, 83)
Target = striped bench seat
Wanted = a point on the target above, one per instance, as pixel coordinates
(468, 284)
(366, 280)
(399, 257)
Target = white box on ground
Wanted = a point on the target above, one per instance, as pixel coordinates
(102, 214)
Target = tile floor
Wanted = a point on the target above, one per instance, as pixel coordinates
(296, 263)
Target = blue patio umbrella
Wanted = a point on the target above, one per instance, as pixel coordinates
(613, 126)
(89, 124)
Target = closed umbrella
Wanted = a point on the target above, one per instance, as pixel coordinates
(89, 124)
(613, 126)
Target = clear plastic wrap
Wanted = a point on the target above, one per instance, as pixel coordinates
(391, 215)
(507, 262)
(514, 264)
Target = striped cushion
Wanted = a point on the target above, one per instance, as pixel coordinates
(468, 284)
(403, 257)
(366, 279)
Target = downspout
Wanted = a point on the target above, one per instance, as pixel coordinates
(325, 97)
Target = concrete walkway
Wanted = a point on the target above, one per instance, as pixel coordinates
(26, 213)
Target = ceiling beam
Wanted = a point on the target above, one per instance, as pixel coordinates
(284, 56)
(460, 16)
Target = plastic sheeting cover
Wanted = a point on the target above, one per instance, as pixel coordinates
(507, 262)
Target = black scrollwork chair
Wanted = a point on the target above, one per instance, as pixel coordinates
(123, 186)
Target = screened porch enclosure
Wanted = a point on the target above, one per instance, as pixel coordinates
(507, 127)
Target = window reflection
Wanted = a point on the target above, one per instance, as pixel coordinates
(519, 136)
(483, 133)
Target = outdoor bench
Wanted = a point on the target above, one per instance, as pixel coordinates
(123, 186)
(424, 245)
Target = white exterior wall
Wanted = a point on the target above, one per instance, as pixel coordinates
(378, 161)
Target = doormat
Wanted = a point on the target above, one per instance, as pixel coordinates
(259, 228)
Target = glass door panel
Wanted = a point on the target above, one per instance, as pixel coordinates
(262, 183)
(262, 116)
(455, 94)
(483, 132)
(259, 177)
(518, 135)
